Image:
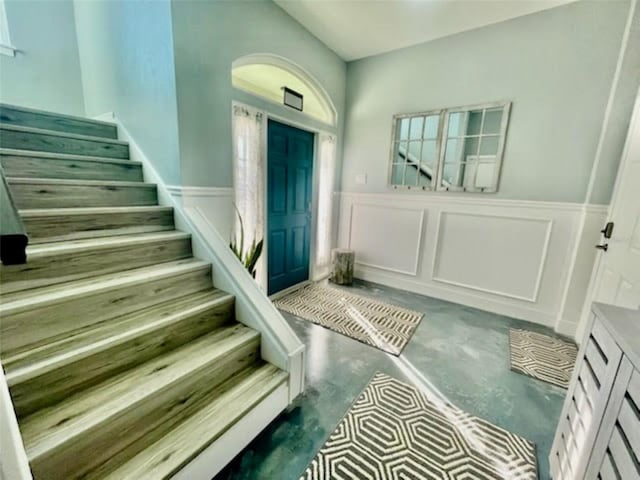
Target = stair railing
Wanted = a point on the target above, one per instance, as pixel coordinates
(13, 235)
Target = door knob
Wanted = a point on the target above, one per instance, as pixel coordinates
(604, 247)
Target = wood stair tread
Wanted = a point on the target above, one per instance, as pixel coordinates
(52, 427)
(70, 246)
(24, 300)
(30, 363)
(230, 403)
(58, 133)
(67, 156)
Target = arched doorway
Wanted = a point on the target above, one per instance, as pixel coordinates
(266, 75)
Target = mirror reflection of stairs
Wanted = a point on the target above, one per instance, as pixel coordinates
(123, 360)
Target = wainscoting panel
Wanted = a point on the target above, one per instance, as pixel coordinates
(386, 238)
(492, 253)
(510, 257)
(215, 203)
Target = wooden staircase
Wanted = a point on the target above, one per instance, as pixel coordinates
(122, 358)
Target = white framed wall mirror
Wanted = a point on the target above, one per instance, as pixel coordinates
(455, 149)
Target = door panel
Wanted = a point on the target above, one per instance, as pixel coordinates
(290, 173)
(618, 280)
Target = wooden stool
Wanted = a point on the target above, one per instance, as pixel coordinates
(343, 262)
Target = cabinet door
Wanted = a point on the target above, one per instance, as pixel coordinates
(616, 453)
(584, 406)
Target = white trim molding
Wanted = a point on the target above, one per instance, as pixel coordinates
(511, 257)
(214, 203)
(410, 252)
(546, 236)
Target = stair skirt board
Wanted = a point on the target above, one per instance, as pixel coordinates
(20, 163)
(57, 225)
(53, 193)
(35, 139)
(27, 117)
(89, 258)
(28, 323)
(142, 336)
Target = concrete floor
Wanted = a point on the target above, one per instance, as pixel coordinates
(461, 351)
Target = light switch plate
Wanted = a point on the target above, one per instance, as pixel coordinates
(361, 179)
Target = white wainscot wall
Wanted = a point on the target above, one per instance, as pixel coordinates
(214, 203)
(516, 258)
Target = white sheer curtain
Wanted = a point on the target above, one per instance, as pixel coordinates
(327, 165)
(248, 177)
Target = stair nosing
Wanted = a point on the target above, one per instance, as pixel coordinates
(79, 182)
(72, 429)
(67, 156)
(58, 133)
(38, 368)
(99, 243)
(61, 292)
(55, 114)
(53, 212)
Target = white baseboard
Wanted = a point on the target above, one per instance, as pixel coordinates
(455, 295)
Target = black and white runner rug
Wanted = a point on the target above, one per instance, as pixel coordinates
(370, 321)
(394, 431)
(543, 357)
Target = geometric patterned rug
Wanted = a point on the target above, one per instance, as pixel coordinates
(375, 323)
(543, 357)
(395, 432)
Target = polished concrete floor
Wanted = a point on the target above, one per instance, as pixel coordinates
(461, 352)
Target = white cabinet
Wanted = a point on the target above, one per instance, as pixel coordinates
(598, 434)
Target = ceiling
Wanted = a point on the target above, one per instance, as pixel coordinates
(359, 28)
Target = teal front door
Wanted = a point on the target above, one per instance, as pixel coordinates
(289, 194)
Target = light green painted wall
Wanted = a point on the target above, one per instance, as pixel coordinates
(556, 66)
(126, 53)
(45, 73)
(209, 35)
(622, 107)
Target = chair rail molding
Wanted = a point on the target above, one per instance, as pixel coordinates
(215, 203)
(513, 257)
